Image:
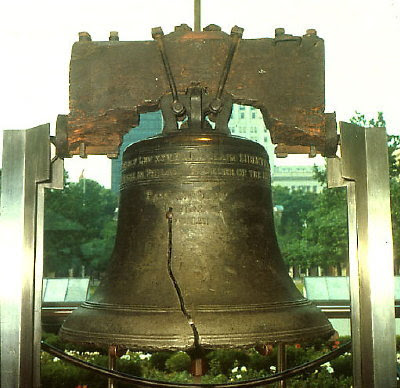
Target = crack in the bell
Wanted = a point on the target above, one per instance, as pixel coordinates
(176, 285)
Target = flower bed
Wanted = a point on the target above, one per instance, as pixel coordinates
(222, 366)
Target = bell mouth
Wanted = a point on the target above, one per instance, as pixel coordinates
(219, 249)
(218, 326)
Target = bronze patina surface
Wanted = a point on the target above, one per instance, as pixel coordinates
(224, 283)
(196, 262)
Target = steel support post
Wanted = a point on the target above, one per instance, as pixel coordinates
(363, 168)
(282, 363)
(197, 15)
(26, 171)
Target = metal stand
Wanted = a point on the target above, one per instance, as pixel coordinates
(282, 363)
(112, 364)
(363, 169)
(26, 171)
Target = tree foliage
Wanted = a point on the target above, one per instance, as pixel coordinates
(79, 228)
(290, 224)
(313, 228)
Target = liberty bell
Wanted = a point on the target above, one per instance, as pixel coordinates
(196, 261)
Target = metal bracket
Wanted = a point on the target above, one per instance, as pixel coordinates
(196, 105)
(363, 168)
(27, 171)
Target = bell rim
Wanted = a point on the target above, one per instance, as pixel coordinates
(242, 340)
(259, 307)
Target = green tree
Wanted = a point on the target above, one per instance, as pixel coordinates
(313, 228)
(289, 227)
(79, 227)
(325, 233)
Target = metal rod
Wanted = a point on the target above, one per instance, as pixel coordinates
(155, 383)
(197, 369)
(235, 39)
(197, 15)
(158, 36)
(236, 35)
(112, 364)
(160, 42)
(282, 362)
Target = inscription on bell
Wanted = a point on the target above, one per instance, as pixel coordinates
(195, 156)
(161, 173)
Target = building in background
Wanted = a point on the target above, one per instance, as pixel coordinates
(296, 178)
(248, 122)
(150, 124)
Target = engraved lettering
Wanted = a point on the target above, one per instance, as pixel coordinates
(200, 221)
(195, 156)
(241, 172)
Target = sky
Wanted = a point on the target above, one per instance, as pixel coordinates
(361, 45)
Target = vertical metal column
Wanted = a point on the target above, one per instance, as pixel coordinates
(364, 169)
(282, 363)
(197, 15)
(26, 168)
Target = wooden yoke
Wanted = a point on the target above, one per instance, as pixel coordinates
(112, 82)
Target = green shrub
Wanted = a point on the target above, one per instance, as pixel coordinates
(320, 379)
(297, 355)
(157, 360)
(178, 362)
(53, 340)
(343, 365)
(222, 361)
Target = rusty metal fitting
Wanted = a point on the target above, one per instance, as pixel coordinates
(157, 32)
(116, 351)
(215, 105)
(169, 214)
(178, 108)
(183, 27)
(311, 31)
(237, 31)
(113, 36)
(212, 27)
(279, 32)
(112, 351)
(84, 37)
(82, 150)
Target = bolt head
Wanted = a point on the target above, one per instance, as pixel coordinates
(156, 32)
(212, 27)
(311, 31)
(238, 31)
(183, 27)
(113, 35)
(178, 108)
(216, 105)
(84, 36)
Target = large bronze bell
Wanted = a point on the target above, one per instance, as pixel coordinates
(196, 260)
